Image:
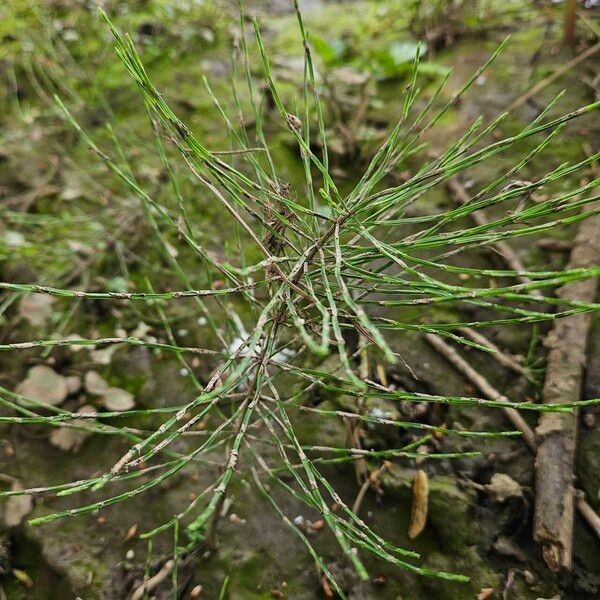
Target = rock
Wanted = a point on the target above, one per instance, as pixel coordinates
(94, 384)
(451, 514)
(17, 507)
(43, 384)
(502, 487)
(104, 356)
(36, 308)
(469, 563)
(506, 547)
(113, 398)
(70, 439)
(117, 399)
(73, 384)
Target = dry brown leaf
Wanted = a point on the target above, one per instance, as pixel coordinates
(422, 450)
(485, 593)
(233, 518)
(326, 587)
(420, 503)
(17, 507)
(131, 532)
(43, 384)
(382, 375)
(23, 577)
(437, 434)
(9, 449)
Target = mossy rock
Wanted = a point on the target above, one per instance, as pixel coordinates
(80, 567)
(317, 429)
(451, 509)
(470, 564)
(451, 512)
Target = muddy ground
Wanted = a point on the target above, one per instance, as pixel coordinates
(64, 221)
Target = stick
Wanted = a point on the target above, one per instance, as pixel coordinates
(482, 384)
(585, 510)
(154, 581)
(557, 434)
(510, 257)
(589, 235)
(569, 25)
(501, 357)
(370, 481)
(556, 75)
(512, 260)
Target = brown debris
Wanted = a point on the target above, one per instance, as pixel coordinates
(420, 504)
(557, 432)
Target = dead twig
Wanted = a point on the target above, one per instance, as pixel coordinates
(557, 433)
(499, 356)
(585, 510)
(508, 255)
(569, 24)
(482, 384)
(353, 431)
(556, 75)
(153, 581)
(513, 262)
(371, 481)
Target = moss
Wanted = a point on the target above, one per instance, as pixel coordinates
(313, 429)
(61, 553)
(451, 513)
(469, 563)
(252, 577)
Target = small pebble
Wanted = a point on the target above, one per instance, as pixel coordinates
(130, 554)
(299, 521)
(589, 420)
(529, 577)
(233, 518)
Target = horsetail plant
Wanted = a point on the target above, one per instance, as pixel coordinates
(329, 262)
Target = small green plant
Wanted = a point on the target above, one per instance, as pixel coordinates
(322, 262)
